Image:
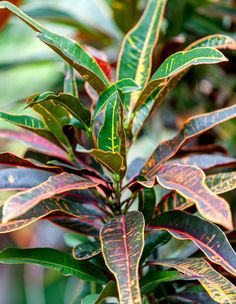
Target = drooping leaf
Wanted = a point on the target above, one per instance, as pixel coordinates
(122, 245)
(177, 63)
(36, 143)
(82, 205)
(72, 104)
(86, 251)
(217, 41)
(68, 49)
(137, 48)
(208, 237)
(218, 287)
(189, 181)
(22, 178)
(29, 123)
(70, 85)
(190, 129)
(21, 202)
(53, 259)
(153, 279)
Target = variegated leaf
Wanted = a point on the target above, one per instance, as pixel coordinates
(208, 237)
(218, 287)
(137, 48)
(122, 242)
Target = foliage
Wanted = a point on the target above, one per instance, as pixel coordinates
(85, 183)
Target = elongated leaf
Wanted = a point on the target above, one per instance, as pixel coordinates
(126, 85)
(122, 245)
(77, 225)
(5, 15)
(21, 202)
(137, 48)
(68, 49)
(217, 41)
(86, 251)
(191, 128)
(81, 205)
(204, 161)
(72, 104)
(70, 85)
(21, 178)
(53, 259)
(153, 279)
(147, 203)
(177, 63)
(36, 142)
(9, 159)
(218, 287)
(189, 181)
(208, 237)
(29, 123)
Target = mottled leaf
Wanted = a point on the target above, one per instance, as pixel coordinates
(177, 63)
(217, 41)
(221, 182)
(68, 49)
(189, 181)
(53, 259)
(122, 245)
(21, 202)
(191, 128)
(218, 287)
(208, 237)
(137, 48)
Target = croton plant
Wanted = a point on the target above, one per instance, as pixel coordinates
(79, 178)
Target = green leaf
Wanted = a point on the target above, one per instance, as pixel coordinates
(177, 63)
(72, 105)
(53, 259)
(68, 49)
(86, 251)
(208, 237)
(54, 117)
(70, 85)
(153, 279)
(154, 240)
(137, 48)
(110, 290)
(218, 287)
(191, 128)
(147, 203)
(126, 85)
(217, 41)
(122, 246)
(21, 202)
(221, 182)
(189, 181)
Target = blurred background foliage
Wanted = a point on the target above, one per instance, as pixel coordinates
(27, 67)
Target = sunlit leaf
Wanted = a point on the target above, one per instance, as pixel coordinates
(217, 41)
(137, 48)
(53, 259)
(218, 287)
(122, 245)
(208, 237)
(68, 49)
